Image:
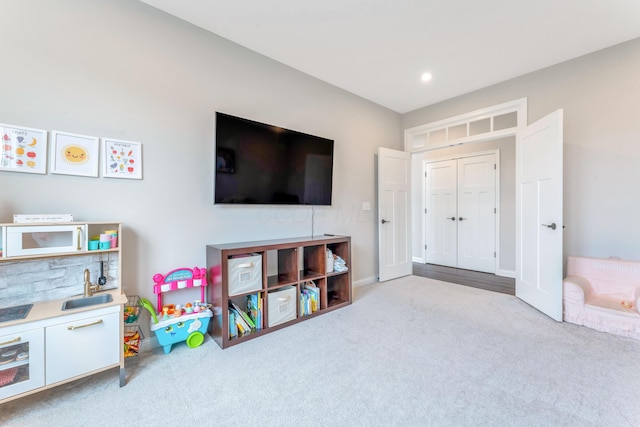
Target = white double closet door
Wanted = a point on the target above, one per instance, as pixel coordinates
(460, 215)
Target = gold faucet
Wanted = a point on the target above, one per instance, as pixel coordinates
(89, 288)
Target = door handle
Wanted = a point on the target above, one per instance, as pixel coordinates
(384, 221)
(551, 226)
(453, 218)
(461, 219)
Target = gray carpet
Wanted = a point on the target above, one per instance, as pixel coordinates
(408, 352)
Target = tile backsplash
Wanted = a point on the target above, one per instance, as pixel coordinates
(44, 279)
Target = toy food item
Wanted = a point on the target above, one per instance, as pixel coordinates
(8, 356)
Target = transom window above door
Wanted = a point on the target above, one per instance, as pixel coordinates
(481, 125)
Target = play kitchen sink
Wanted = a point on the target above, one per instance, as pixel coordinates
(86, 301)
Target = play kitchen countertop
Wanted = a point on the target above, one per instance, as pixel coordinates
(49, 309)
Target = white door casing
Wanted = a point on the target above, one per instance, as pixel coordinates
(539, 157)
(394, 210)
(441, 223)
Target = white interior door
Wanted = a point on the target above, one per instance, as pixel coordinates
(477, 213)
(460, 217)
(441, 223)
(394, 210)
(539, 215)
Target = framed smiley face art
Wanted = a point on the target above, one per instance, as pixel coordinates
(73, 154)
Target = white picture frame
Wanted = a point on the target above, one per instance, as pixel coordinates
(73, 154)
(121, 159)
(23, 149)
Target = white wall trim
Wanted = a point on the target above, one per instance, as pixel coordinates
(506, 273)
(366, 281)
(422, 138)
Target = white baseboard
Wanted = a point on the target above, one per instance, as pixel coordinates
(365, 281)
(418, 259)
(506, 273)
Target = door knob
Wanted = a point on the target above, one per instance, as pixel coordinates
(461, 219)
(551, 226)
(384, 221)
(453, 218)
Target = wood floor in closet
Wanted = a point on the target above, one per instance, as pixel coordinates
(476, 279)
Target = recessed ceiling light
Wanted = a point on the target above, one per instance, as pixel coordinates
(426, 77)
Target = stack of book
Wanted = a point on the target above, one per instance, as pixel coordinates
(242, 322)
(309, 298)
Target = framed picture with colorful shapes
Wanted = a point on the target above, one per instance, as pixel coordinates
(73, 154)
(23, 149)
(121, 159)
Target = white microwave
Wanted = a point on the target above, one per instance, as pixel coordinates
(45, 239)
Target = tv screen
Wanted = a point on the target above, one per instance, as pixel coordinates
(258, 163)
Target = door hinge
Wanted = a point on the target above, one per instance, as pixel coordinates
(494, 166)
(494, 254)
(494, 210)
(425, 247)
(425, 174)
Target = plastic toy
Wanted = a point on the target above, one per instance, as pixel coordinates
(175, 326)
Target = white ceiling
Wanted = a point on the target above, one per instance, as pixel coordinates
(378, 49)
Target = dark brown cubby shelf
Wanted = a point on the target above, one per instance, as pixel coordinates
(296, 261)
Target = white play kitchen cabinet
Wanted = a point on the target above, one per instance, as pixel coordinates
(42, 343)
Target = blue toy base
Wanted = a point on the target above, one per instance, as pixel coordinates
(189, 327)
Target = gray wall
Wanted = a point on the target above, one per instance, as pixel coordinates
(124, 70)
(600, 95)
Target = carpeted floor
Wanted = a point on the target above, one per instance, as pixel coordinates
(408, 352)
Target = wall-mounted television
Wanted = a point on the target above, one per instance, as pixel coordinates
(260, 164)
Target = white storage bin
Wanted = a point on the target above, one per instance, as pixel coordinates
(245, 274)
(282, 305)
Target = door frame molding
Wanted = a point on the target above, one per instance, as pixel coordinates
(418, 139)
(423, 201)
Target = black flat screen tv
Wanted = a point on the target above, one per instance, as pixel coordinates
(260, 164)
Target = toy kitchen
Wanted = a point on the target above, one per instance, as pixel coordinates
(60, 288)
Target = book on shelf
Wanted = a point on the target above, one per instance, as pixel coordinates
(309, 299)
(241, 323)
(254, 309)
(233, 328)
(314, 295)
(243, 314)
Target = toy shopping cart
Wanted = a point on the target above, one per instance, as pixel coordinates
(173, 324)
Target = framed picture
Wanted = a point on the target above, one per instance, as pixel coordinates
(73, 154)
(23, 149)
(121, 159)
